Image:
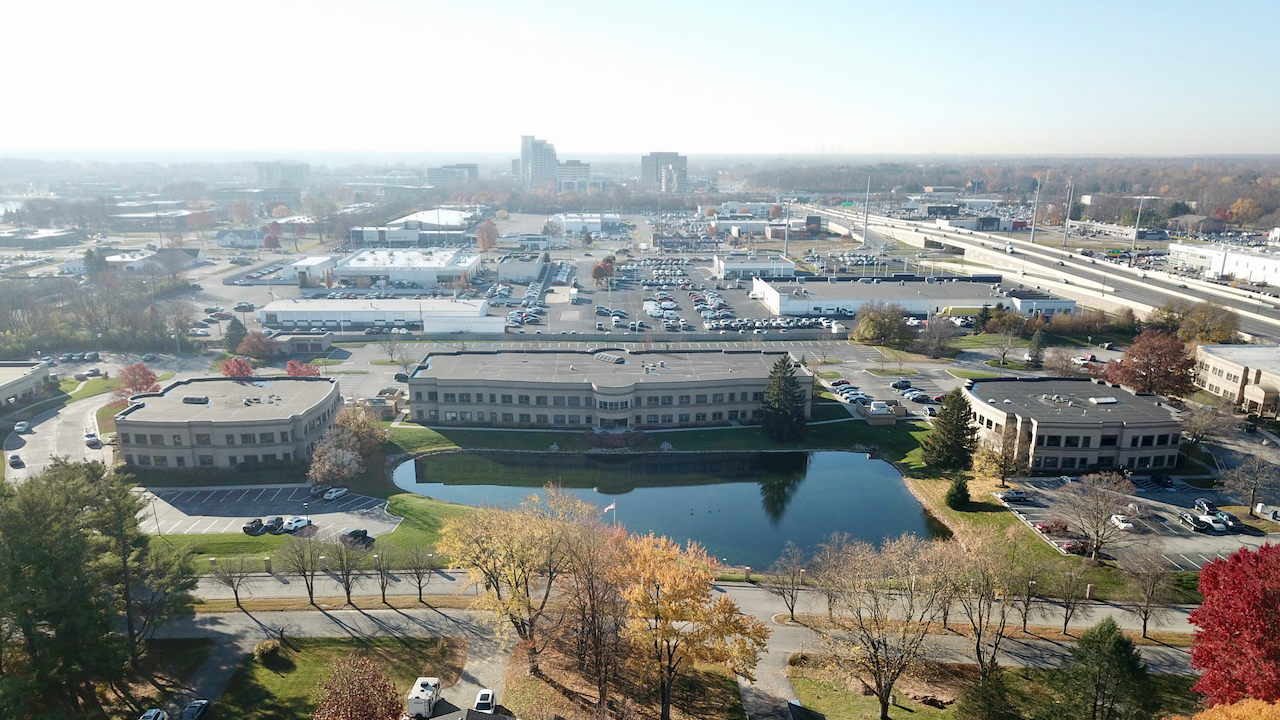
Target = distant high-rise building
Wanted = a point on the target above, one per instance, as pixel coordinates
(573, 175)
(274, 174)
(453, 174)
(538, 164)
(668, 171)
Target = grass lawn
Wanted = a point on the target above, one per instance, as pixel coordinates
(1086, 340)
(1008, 365)
(973, 342)
(92, 387)
(219, 545)
(829, 411)
(286, 686)
(383, 361)
(973, 374)
(1257, 523)
(830, 375)
(323, 361)
(106, 416)
(885, 372)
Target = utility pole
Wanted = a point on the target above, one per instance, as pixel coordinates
(1035, 213)
(1066, 224)
(866, 212)
(1136, 225)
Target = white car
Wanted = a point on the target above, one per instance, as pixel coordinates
(294, 524)
(335, 493)
(22, 427)
(1214, 522)
(485, 702)
(1122, 522)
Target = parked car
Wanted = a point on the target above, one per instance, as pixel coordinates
(22, 427)
(294, 524)
(318, 490)
(931, 411)
(1078, 547)
(1232, 522)
(15, 461)
(335, 493)
(274, 525)
(154, 714)
(1214, 523)
(93, 372)
(148, 357)
(485, 702)
(1193, 522)
(900, 384)
(355, 538)
(838, 383)
(195, 710)
(1163, 481)
(253, 527)
(1051, 527)
(402, 377)
(1121, 522)
(1205, 507)
(1014, 496)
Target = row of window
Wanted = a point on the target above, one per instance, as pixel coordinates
(467, 416)
(1072, 463)
(574, 401)
(204, 439)
(1083, 441)
(203, 460)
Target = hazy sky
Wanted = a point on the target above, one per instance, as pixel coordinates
(872, 76)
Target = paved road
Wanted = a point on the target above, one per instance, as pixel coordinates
(223, 510)
(56, 432)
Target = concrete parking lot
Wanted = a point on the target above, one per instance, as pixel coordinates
(225, 510)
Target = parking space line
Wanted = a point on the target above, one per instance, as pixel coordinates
(1190, 562)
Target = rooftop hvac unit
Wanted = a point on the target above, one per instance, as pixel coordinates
(196, 400)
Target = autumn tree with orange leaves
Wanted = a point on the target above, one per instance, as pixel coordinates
(357, 689)
(237, 367)
(136, 378)
(296, 368)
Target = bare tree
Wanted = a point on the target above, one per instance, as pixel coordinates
(1027, 573)
(786, 577)
(1004, 343)
(935, 339)
(1058, 362)
(597, 610)
(348, 565)
(885, 601)
(1256, 476)
(232, 573)
(1089, 504)
(387, 560)
(392, 345)
(998, 458)
(1205, 423)
(827, 564)
(406, 361)
(1070, 587)
(1153, 581)
(985, 580)
(301, 557)
(420, 564)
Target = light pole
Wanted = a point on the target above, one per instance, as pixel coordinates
(306, 512)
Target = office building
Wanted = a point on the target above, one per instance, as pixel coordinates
(573, 176)
(666, 171)
(608, 389)
(1077, 424)
(21, 383)
(459, 174)
(275, 174)
(1247, 375)
(227, 422)
(578, 223)
(310, 269)
(522, 268)
(735, 267)
(538, 165)
(1214, 261)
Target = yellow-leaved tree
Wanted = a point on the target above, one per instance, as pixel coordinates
(1243, 710)
(674, 619)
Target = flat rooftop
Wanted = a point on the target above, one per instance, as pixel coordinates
(10, 371)
(584, 367)
(311, 260)
(406, 259)
(890, 289)
(280, 398)
(1256, 357)
(439, 217)
(521, 258)
(412, 308)
(1034, 398)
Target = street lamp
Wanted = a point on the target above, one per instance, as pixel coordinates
(306, 512)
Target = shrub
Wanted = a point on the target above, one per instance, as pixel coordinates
(958, 494)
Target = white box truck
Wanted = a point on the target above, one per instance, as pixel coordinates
(422, 697)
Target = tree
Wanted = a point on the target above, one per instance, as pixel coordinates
(880, 323)
(935, 339)
(1155, 363)
(1070, 588)
(335, 460)
(487, 235)
(297, 368)
(1006, 340)
(1209, 323)
(986, 572)
(1026, 575)
(385, 564)
(234, 334)
(998, 458)
(232, 573)
(1205, 423)
(986, 699)
(601, 272)
(1036, 350)
(257, 346)
(1245, 211)
(392, 345)
(1237, 636)
(363, 430)
(135, 379)
(1088, 504)
(786, 577)
(885, 602)
(775, 211)
(596, 606)
(982, 318)
(349, 564)
(954, 438)
(675, 620)
(1178, 209)
(1242, 710)
(1059, 363)
(586, 238)
(783, 408)
(957, 497)
(1153, 582)
(301, 557)
(358, 689)
(237, 367)
(1255, 476)
(1104, 678)
(242, 211)
(419, 564)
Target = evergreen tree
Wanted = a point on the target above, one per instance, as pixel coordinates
(235, 334)
(958, 494)
(954, 439)
(783, 406)
(1104, 678)
(981, 319)
(986, 699)
(1036, 351)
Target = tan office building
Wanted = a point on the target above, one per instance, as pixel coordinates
(1077, 424)
(227, 422)
(608, 389)
(21, 383)
(1247, 375)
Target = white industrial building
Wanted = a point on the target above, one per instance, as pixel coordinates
(821, 296)
(437, 219)
(522, 268)
(427, 315)
(579, 223)
(309, 268)
(1219, 261)
(422, 267)
(728, 267)
(530, 241)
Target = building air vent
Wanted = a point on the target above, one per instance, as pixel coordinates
(609, 358)
(1103, 400)
(196, 399)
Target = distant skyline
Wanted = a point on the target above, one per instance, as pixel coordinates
(394, 77)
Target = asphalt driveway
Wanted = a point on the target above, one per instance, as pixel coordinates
(178, 511)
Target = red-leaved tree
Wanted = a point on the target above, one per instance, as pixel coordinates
(1237, 637)
(136, 378)
(237, 367)
(257, 345)
(296, 368)
(358, 690)
(1155, 363)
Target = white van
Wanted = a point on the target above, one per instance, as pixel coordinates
(670, 315)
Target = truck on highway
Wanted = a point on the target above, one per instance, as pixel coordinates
(1009, 248)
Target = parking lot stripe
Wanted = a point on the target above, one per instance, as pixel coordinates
(1190, 562)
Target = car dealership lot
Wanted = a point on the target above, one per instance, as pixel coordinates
(176, 511)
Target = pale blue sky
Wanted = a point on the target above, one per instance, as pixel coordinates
(1167, 78)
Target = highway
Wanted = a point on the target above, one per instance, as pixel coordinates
(1037, 266)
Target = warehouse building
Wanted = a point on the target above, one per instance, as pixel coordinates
(917, 295)
(227, 422)
(309, 269)
(732, 267)
(1077, 424)
(428, 315)
(21, 383)
(422, 268)
(597, 389)
(522, 268)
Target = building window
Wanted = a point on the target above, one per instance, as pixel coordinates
(267, 437)
(651, 419)
(1055, 441)
(123, 438)
(466, 415)
(757, 397)
(1086, 441)
(202, 439)
(666, 399)
(733, 397)
(733, 414)
(1157, 461)
(144, 460)
(717, 416)
(575, 401)
(1162, 440)
(717, 398)
(756, 414)
(464, 397)
(558, 401)
(668, 418)
(542, 419)
(575, 420)
(684, 417)
(1069, 463)
(431, 414)
(128, 459)
(1109, 441)
(180, 461)
(559, 419)
(417, 395)
(1073, 441)
(1051, 462)
(1039, 441)
(251, 459)
(653, 400)
(1036, 461)
(432, 396)
(231, 459)
(700, 399)
(284, 436)
(525, 417)
(271, 457)
(524, 399)
(157, 440)
(205, 461)
(1148, 440)
(540, 400)
(450, 415)
(700, 417)
(506, 399)
(177, 439)
(508, 417)
(450, 397)
(1106, 461)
